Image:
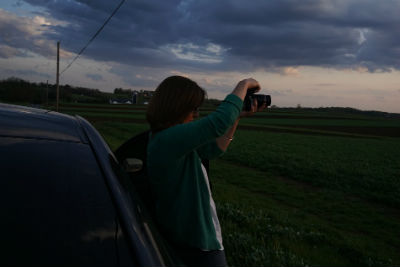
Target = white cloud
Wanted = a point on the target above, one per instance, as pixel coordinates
(210, 53)
(362, 39)
(290, 71)
(39, 20)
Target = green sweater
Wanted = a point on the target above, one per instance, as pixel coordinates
(174, 168)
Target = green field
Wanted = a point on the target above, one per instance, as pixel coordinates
(297, 188)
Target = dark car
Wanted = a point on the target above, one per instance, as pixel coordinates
(65, 198)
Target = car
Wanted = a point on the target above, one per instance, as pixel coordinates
(66, 199)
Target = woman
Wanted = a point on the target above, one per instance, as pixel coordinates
(184, 206)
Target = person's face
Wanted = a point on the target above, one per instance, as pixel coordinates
(192, 115)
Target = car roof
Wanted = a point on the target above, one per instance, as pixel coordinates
(27, 122)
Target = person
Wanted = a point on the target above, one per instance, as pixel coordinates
(184, 208)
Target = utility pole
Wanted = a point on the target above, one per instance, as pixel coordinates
(58, 73)
(47, 94)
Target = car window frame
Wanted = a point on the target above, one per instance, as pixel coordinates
(140, 243)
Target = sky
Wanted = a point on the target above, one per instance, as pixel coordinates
(312, 53)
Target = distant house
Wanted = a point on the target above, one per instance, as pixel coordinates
(141, 97)
(138, 97)
(120, 101)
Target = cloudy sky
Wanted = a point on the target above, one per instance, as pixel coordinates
(316, 53)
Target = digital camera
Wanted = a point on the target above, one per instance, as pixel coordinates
(261, 99)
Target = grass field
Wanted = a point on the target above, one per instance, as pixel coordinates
(297, 188)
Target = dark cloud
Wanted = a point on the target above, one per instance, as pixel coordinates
(317, 33)
(232, 34)
(23, 73)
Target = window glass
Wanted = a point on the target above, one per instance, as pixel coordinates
(56, 209)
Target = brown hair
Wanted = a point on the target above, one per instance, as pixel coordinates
(172, 101)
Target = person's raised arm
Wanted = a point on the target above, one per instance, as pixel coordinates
(240, 91)
(188, 136)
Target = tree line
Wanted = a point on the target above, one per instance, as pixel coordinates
(16, 90)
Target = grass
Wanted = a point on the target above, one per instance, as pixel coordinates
(322, 122)
(107, 115)
(365, 167)
(100, 110)
(296, 199)
(115, 133)
(294, 224)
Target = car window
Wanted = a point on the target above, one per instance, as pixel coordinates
(56, 209)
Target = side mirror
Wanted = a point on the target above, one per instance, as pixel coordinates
(133, 165)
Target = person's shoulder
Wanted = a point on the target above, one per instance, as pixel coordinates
(175, 131)
(161, 137)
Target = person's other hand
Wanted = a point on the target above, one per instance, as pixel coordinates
(254, 109)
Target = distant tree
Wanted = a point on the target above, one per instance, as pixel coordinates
(120, 91)
(14, 90)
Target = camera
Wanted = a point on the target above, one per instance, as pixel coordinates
(261, 99)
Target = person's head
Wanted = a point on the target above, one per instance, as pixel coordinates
(176, 100)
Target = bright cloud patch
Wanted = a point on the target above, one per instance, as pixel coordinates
(290, 71)
(362, 38)
(211, 53)
(38, 20)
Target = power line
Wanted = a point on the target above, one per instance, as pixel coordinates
(94, 36)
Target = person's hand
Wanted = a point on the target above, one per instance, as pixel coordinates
(242, 87)
(250, 83)
(254, 108)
